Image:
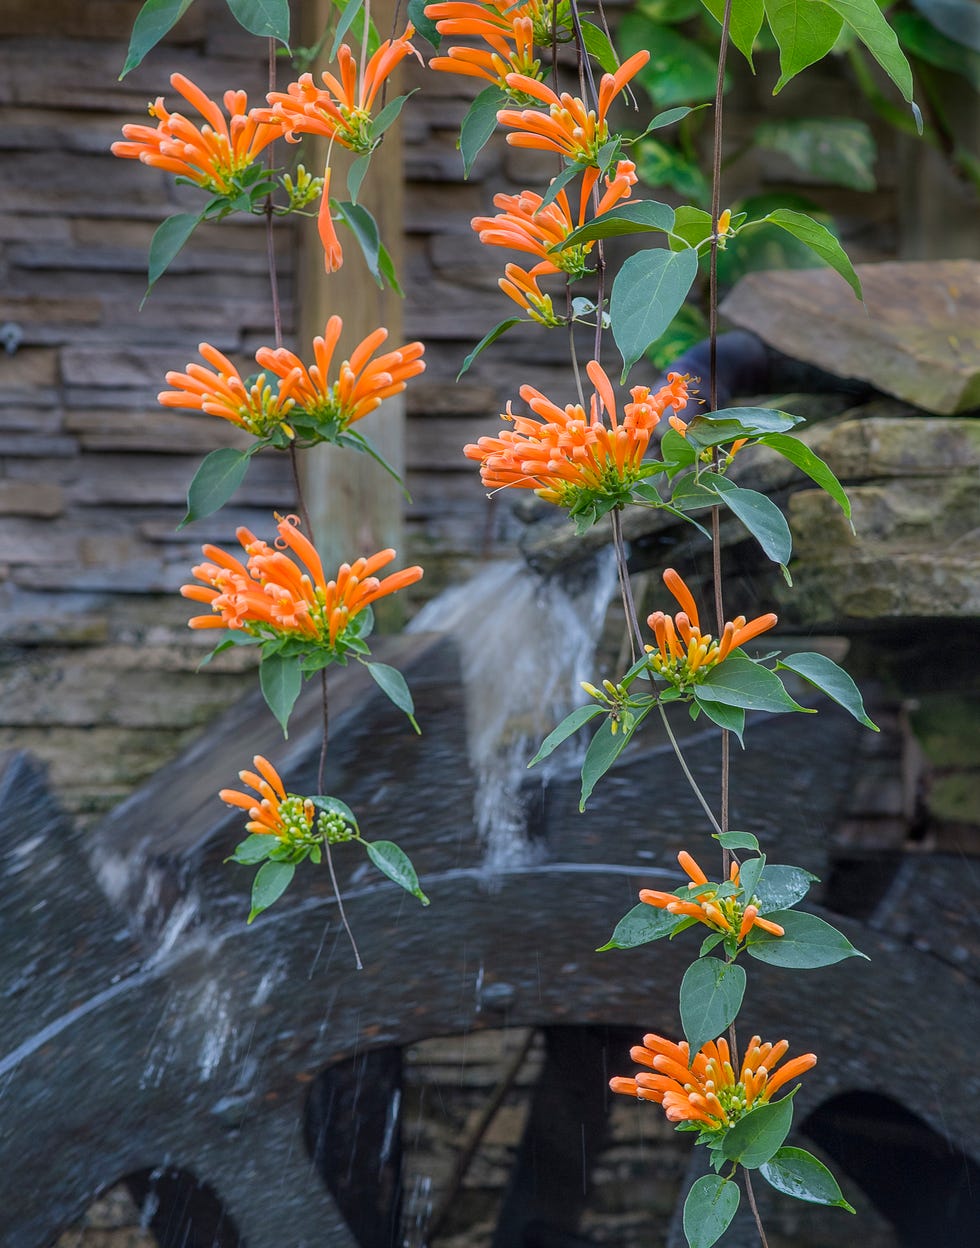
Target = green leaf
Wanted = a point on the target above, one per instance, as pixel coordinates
(737, 840)
(646, 295)
(799, 454)
(567, 728)
(425, 26)
(559, 183)
(168, 238)
(820, 241)
(334, 806)
(797, 1173)
(744, 25)
(359, 442)
(598, 46)
(486, 340)
(219, 476)
(640, 926)
(266, 18)
(730, 423)
(639, 217)
(679, 71)
(708, 1210)
(780, 887)
(281, 680)
(390, 114)
(255, 848)
(153, 21)
(396, 865)
(750, 873)
(357, 28)
(731, 718)
(479, 124)
(270, 882)
(758, 513)
(825, 675)
(692, 227)
(392, 684)
(805, 31)
(839, 150)
(668, 117)
(365, 229)
(754, 1139)
(688, 328)
(711, 995)
(604, 749)
(349, 11)
(808, 942)
(867, 21)
(737, 681)
(355, 175)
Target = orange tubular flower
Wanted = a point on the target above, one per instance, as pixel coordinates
(512, 44)
(342, 111)
(211, 156)
(223, 393)
(363, 383)
(569, 458)
(568, 127)
(522, 286)
(333, 253)
(291, 819)
(706, 1091)
(684, 655)
(733, 917)
(276, 596)
(525, 226)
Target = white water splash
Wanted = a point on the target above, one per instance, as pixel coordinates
(525, 644)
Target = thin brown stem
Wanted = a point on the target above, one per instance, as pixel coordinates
(686, 770)
(755, 1209)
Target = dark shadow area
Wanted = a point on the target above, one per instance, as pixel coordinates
(181, 1211)
(926, 1186)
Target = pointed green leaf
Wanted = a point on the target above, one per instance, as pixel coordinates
(744, 25)
(567, 728)
(737, 681)
(281, 680)
(711, 995)
(270, 882)
(559, 183)
(730, 423)
(639, 217)
(334, 806)
(390, 114)
(754, 1139)
(386, 267)
(820, 241)
(737, 840)
(359, 442)
(355, 175)
(425, 26)
(392, 684)
(805, 30)
(598, 46)
(647, 292)
(731, 718)
(349, 12)
(758, 513)
(750, 873)
(669, 117)
(168, 238)
(692, 227)
(219, 476)
(486, 340)
(780, 887)
(604, 749)
(868, 22)
(808, 942)
(641, 925)
(255, 848)
(799, 453)
(396, 865)
(365, 229)
(479, 124)
(153, 21)
(267, 18)
(797, 1173)
(709, 1208)
(825, 675)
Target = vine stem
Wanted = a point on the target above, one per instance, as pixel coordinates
(755, 1209)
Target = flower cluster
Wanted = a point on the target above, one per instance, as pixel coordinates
(213, 155)
(510, 29)
(275, 597)
(524, 225)
(705, 1091)
(569, 127)
(684, 654)
(569, 458)
(294, 821)
(327, 407)
(733, 916)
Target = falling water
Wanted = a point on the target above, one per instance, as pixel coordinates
(525, 644)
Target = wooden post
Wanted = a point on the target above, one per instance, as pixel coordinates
(355, 506)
